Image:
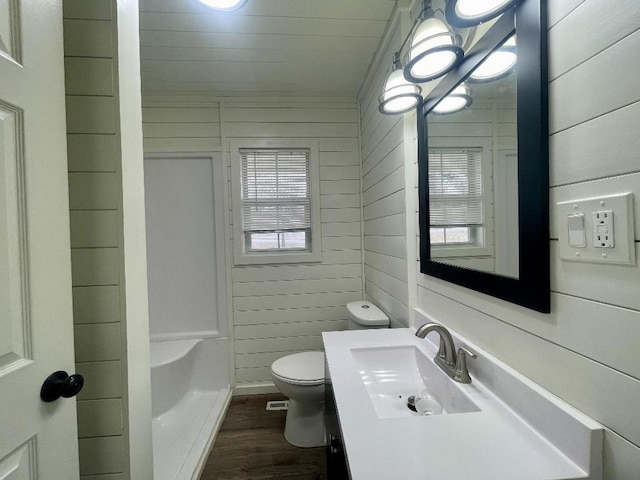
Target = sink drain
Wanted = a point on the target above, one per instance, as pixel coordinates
(411, 403)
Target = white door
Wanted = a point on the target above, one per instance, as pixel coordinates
(37, 439)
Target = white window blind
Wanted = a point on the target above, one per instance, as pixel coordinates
(455, 187)
(275, 190)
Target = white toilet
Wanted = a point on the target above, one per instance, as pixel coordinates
(300, 377)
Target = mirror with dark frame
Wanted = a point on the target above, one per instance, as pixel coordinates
(483, 169)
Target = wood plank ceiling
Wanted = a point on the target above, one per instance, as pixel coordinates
(269, 47)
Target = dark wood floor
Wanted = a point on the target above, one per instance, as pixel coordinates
(251, 446)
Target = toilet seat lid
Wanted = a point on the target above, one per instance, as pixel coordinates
(300, 368)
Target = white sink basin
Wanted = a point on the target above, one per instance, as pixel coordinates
(501, 426)
(391, 374)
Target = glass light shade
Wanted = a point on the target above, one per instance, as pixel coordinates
(223, 5)
(468, 13)
(458, 99)
(498, 64)
(433, 51)
(399, 95)
(476, 8)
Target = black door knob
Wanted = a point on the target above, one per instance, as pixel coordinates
(60, 384)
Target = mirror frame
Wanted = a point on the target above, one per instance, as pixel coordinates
(532, 287)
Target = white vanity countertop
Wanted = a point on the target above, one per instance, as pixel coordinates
(503, 441)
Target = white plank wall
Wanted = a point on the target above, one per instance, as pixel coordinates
(280, 309)
(383, 199)
(585, 351)
(181, 125)
(95, 241)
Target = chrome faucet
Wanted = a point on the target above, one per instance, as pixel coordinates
(454, 365)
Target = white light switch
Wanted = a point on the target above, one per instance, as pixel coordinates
(577, 231)
(609, 221)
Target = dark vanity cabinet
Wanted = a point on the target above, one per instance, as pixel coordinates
(336, 458)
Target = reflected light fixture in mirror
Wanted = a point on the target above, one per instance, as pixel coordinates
(434, 50)
(399, 95)
(500, 63)
(223, 5)
(459, 99)
(469, 13)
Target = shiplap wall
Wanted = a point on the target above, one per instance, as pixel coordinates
(585, 351)
(95, 200)
(383, 199)
(279, 309)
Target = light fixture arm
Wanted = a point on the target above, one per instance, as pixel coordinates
(396, 64)
(426, 10)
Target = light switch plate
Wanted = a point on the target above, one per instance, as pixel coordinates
(622, 250)
(577, 230)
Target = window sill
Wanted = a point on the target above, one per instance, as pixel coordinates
(466, 251)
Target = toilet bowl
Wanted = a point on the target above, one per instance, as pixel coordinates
(300, 377)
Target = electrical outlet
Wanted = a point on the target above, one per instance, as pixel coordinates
(609, 219)
(603, 233)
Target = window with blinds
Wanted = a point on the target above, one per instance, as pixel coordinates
(276, 200)
(456, 206)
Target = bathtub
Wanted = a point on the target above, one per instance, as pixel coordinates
(190, 393)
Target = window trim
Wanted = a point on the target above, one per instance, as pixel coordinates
(240, 255)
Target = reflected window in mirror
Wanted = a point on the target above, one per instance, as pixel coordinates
(456, 201)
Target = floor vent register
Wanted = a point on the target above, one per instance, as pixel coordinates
(278, 405)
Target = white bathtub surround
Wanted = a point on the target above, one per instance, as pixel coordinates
(190, 398)
(188, 318)
(516, 430)
(184, 196)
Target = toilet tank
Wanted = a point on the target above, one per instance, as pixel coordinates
(364, 315)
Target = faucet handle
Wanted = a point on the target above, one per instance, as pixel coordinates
(442, 349)
(461, 370)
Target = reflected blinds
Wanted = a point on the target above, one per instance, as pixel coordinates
(275, 190)
(455, 187)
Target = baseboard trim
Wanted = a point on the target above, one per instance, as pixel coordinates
(254, 388)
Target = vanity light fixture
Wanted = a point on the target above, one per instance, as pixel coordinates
(469, 13)
(434, 49)
(458, 99)
(500, 63)
(223, 5)
(399, 95)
